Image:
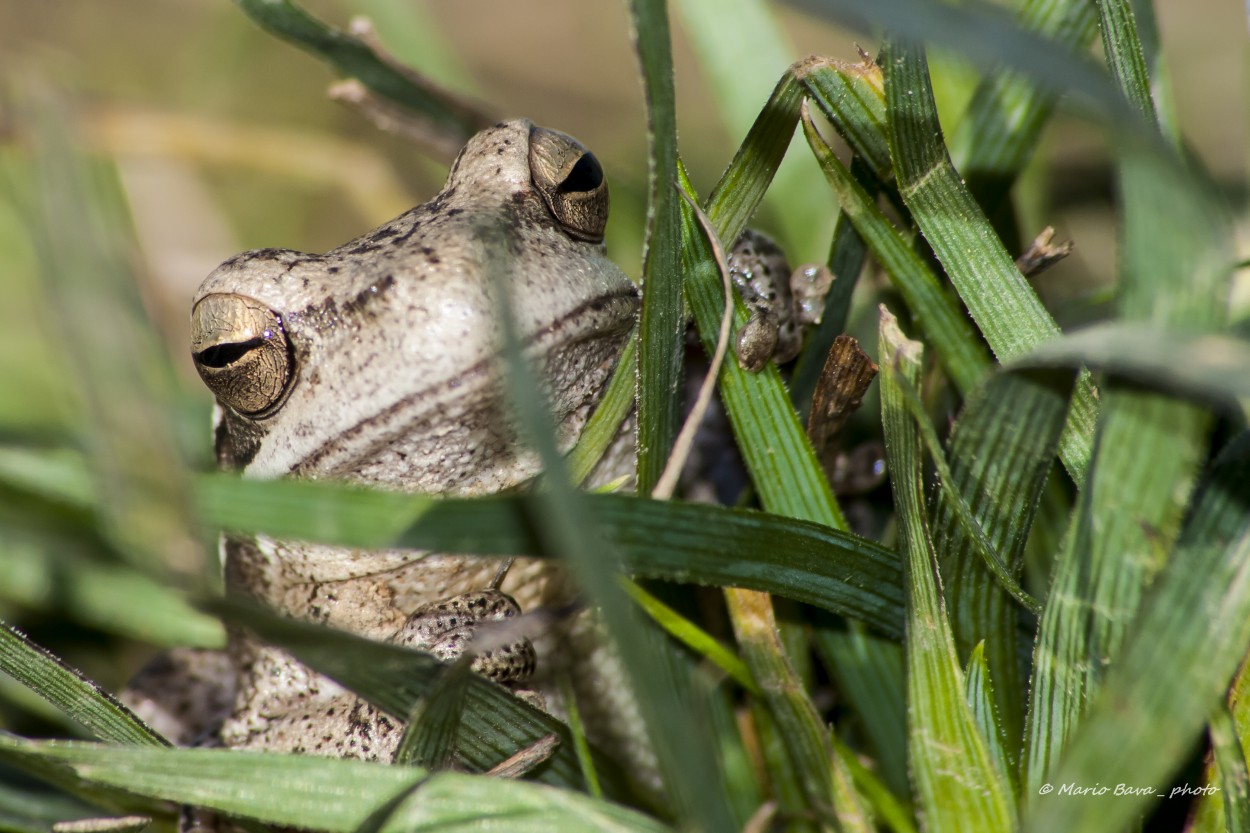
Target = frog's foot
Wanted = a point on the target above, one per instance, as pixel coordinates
(471, 622)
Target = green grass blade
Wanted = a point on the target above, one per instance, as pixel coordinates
(1205, 367)
(1001, 451)
(960, 352)
(1234, 779)
(1201, 598)
(49, 502)
(328, 794)
(59, 475)
(67, 689)
(306, 510)
(692, 636)
(798, 726)
(852, 96)
(581, 744)
(979, 689)
(1149, 446)
(783, 466)
(784, 784)
(1125, 58)
(891, 812)
(26, 810)
(663, 324)
(742, 186)
(1157, 71)
(976, 539)
(605, 423)
(1060, 657)
(958, 786)
(1006, 309)
(853, 810)
(666, 701)
(1171, 227)
(1239, 707)
(806, 561)
(990, 38)
(352, 58)
(739, 765)
(429, 741)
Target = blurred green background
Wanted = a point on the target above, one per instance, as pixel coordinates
(223, 139)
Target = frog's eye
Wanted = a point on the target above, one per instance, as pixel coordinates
(241, 351)
(571, 182)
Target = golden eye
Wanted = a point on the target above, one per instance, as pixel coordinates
(241, 351)
(571, 183)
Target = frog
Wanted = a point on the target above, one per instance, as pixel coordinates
(378, 363)
(783, 303)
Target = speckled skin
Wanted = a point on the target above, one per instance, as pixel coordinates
(782, 303)
(394, 340)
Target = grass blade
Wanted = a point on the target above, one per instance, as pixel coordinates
(1202, 366)
(1149, 446)
(782, 464)
(852, 96)
(430, 739)
(80, 227)
(1001, 451)
(1124, 54)
(806, 561)
(663, 324)
(958, 786)
(783, 467)
(327, 794)
(1160, 680)
(67, 689)
(742, 186)
(1234, 779)
(665, 700)
(798, 726)
(979, 689)
(692, 636)
(605, 423)
(1006, 309)
(870, 676)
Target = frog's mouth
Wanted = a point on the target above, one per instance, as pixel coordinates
(408, 444)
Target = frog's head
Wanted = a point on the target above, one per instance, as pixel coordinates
(379, 361)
